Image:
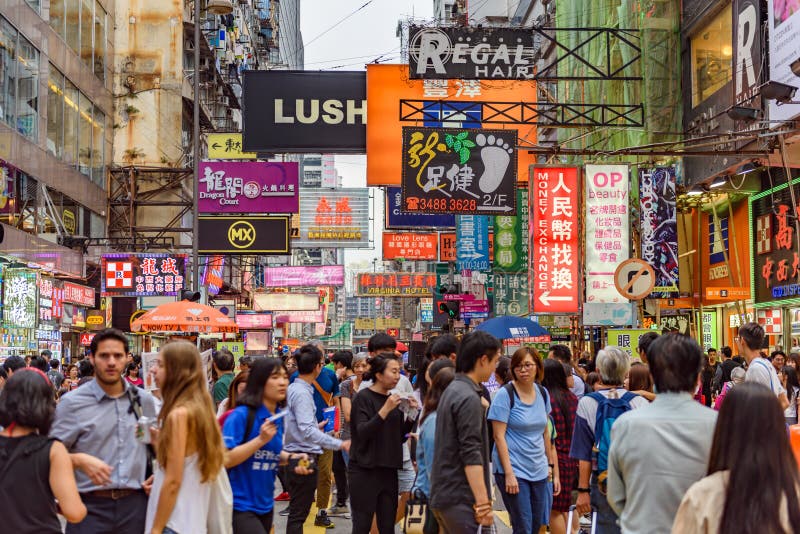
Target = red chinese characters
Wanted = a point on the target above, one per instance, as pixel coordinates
(396, 284)
(554, 240)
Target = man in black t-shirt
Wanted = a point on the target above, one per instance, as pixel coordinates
(723, 373)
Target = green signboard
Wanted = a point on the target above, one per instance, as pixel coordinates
(627, 340)
(710, 332)
(511, 294)
(511, 238)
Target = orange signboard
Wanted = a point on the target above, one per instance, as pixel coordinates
(390, 91)
(410, 246)
(447, 246)
(677, 304)
(727, 293)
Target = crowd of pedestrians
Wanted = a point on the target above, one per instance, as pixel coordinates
(672, 442)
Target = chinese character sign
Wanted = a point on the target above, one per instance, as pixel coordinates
(627, 340)
(20, 298)
(775, 273)
(396, 284)
(410, 246)
(659, 228)
(607, 229)
(307, 276)
(511, 295)
(142, 275)
(451, 170)
(395, 218)
(710, 338)
(511, 238)
(554, 236)
(248, 187)
(334, 218)
(472, 242)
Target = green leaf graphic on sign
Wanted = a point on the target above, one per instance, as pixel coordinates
(463, 155)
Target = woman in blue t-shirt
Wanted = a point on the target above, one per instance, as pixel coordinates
(523, 458)
(255, 453)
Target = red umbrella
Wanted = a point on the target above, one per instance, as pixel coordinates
(184, 316)
(402, 347)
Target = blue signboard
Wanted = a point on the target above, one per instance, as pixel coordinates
(718, 239)
(472, 242)
(397, 219)
(426, 316)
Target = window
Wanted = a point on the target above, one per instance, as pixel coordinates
(83, 25)
(99, 41)
(73, 32)
(98, 146)
(711, 57)
(57, 20)
(28, 90)
(87, 31)
(70, 123)
(34, 4)
(8, 74)
(85, 137)
(55, 113)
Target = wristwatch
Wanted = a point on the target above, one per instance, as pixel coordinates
(582, 490)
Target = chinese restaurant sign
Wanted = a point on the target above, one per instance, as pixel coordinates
(607, 229)
(334, 218)
(142, 275)
(327, 275)
(659, 232)
(511, 238)
(410, 246)
(511, 295)
(472, 243)
(20, 298)
(396, 285)
(554, 238)
(776, 263)
(462, 171)
(395, 218)
(248, 187)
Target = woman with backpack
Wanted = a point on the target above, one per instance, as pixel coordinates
(746, 489)
(35, 471)
(524, 461)
(564, 404)
(254, 438)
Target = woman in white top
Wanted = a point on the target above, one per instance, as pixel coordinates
(749, 487)
(791, 384)
(189, 447)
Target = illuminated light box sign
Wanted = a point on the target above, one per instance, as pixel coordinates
(395, 218)
(142, 275)
(248, 187)
(396, 284)
(20, 296)
(300, 317)
(659, 228)
(254, 321)
(327, 275)
(78, 294)
(333, 218)
(410, 246)
(244, 235)
(286, 302)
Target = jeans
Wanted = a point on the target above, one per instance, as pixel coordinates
(527, 509)
(607, 520)
(324, 468)
(340, 476)
(301, 491)
(168, 530)
(110, 516)
(374, 493)
(251, 523)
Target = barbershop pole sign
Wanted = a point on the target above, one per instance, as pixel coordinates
(471, 53)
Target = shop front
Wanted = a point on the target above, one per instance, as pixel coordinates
(77, 299)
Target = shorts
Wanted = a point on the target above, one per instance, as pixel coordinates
(405, 477)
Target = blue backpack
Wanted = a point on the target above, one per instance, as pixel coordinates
(608, 410)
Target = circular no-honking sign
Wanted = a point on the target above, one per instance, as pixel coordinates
(634, 279)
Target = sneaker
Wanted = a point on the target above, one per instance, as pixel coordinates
(282, 497)
(322, 520)
(339, 510)
(586, 520)
(284, 512)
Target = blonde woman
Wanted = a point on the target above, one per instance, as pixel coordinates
(189, 447)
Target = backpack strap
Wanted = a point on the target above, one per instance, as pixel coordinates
(512, 394)
(768, 374)
(629, 396)
(326, 397)
(248, 426)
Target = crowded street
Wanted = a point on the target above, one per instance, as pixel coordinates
(400, 266)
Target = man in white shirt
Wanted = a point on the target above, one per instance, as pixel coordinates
(760, 370)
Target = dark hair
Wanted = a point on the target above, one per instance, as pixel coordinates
(438, 385)
(436, 366)
(260, 371)
(421, 384)
(645, 340)
(562, 353)
(726, 351)
(233, 388)
(752, 334)
(14, 364)
(519, 356)
(109, 333)
(473, 346)
(137, 359)
(344, 357)
(777, 353)
(130, 367)
(307, 358)
(224, 360)
(85, 368)
(70, 367)
(792, 382)
(3, 373)
(40, 363)
(555, 380)
(381, 341)
(54, 364)
(503, 369)
(711, 349)
(639, 378)
(444, 345)
(675, 362)
(750, 417)
(795, 358)
(592, 379)
(378, 364)
(27, 400)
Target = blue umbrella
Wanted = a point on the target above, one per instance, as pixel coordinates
(509, 327)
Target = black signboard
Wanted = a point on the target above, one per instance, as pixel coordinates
(304, 112)
(264, 235)
(471, 53)
(776, 263)
(461, 171)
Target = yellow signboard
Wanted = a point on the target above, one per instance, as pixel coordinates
(227, 146)
(377, 324)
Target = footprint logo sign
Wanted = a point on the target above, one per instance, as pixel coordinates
(496, 157)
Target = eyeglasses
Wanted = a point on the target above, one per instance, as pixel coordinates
(526, 366)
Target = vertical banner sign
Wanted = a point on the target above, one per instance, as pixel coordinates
(607, 229)
(20, 298)
(554, 237)
(472, 242)
(659, 230)
(511, 295)
(511, 238)
(784, 51)
(710, 339)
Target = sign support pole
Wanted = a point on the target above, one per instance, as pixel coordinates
(196, 151)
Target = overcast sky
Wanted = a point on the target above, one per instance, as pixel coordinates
(336, 40)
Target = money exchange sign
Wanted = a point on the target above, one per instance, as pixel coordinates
(452, 170)
(554, 237)
(660, 228)
(511, 238)
(607, 229)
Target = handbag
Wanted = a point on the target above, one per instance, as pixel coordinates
(416, 513)
(220, 505)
